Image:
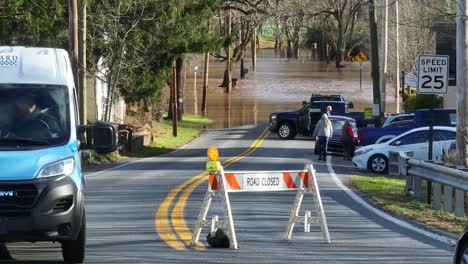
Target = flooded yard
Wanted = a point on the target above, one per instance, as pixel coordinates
(278, 85)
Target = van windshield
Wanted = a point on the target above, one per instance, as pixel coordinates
(34, 116)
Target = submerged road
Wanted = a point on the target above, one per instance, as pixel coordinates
(143, 211)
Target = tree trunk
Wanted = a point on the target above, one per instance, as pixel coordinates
(277, 44)
(180, 65)
(340, 48)
(229, 54)
(289, 52)
(296, 48)
(254, 50)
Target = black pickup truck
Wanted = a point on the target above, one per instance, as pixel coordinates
(290, 123)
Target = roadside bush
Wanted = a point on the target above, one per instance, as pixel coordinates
(96, 159)
(412, 102)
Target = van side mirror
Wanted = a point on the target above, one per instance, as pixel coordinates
(350, 105)
(102, 137)
(304, 103)
(105, 137)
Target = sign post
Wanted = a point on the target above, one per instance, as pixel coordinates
(360, 57)
(432, 79)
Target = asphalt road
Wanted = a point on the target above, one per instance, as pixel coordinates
(143, 211)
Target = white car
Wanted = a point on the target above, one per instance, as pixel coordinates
(375, 157)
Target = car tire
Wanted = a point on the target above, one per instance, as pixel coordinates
(73, 251)
(461, 249)
(286, 131)
(378, 163)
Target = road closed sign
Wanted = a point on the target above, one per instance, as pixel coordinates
(432, 74)
(262, 182)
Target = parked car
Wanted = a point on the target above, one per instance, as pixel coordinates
(442, 117)
(290, 123)
(404, 123)
(334, 144)
(375, 157)
(396, 118)
(331, 97)
(460, 255)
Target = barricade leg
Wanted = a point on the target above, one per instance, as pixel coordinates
(202, 217)
(318, 204)
(294, 214)
(227, 211)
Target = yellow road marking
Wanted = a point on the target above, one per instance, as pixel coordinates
(178, 219)
(163, 227)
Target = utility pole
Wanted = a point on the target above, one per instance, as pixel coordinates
(82, 63)
(384, 41)
(73, 32)
(174, 100)
(462, 82)
(205, 82)
(205, 76)
(397, 92)
(374, 59)
(195, 95)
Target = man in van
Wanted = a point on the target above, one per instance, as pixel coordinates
(28, 110)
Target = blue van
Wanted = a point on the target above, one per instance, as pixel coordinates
(41, 141)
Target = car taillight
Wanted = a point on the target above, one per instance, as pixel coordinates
(360, 137)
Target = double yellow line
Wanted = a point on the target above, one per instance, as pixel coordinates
(178, 236)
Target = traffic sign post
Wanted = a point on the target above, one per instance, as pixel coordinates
(360, 57)
(432, 79)
(432, 74)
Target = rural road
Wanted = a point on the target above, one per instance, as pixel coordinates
(143, 211)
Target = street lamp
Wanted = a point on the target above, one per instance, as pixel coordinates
(195, 101)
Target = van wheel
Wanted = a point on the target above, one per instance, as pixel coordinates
(378, 163)
(286, 131)
(73, 251)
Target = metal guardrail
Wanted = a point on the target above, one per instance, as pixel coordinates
(449, 183)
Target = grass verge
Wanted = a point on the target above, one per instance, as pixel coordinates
(388, 193)
(189, 128)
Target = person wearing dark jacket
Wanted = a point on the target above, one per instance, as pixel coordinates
(347, 139)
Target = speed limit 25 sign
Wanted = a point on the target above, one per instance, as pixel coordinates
(432, 74)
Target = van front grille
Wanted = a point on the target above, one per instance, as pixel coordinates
(16, 199)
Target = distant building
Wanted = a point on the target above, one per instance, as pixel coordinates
(118, 107)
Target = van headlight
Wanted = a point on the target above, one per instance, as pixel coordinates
(363, 151)
(61, 168)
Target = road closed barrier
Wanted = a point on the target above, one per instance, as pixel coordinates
(221, 183)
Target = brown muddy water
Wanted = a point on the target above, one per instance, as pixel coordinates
(278, 85)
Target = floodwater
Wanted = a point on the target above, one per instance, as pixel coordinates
(278, 85)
